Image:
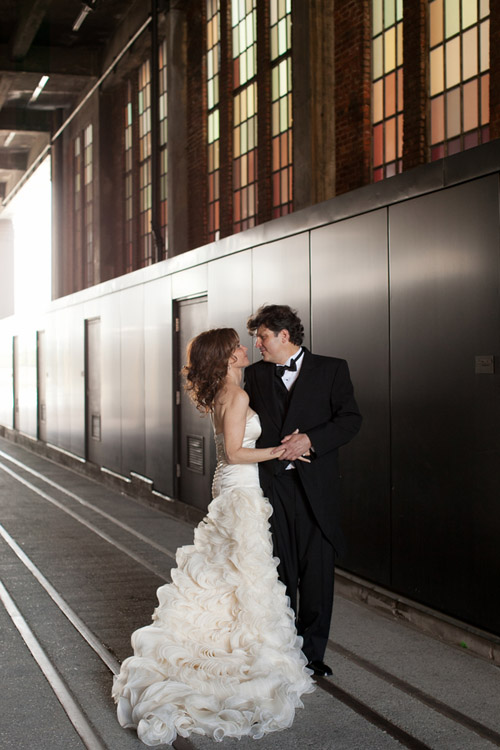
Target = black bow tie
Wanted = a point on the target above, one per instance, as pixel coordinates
(280, 369)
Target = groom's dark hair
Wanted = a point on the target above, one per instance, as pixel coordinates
(277, 318)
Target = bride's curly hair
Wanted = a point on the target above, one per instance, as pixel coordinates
(206, 367)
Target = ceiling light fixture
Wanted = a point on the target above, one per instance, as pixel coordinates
(41, 84)
(87, 7)
(9, 139)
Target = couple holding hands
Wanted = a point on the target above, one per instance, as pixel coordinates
(244, 624)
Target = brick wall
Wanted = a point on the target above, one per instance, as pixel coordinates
(352, 93)
(415, 82)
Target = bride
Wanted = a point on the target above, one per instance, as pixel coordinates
(222, 657)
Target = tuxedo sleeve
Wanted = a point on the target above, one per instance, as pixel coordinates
(345, 419)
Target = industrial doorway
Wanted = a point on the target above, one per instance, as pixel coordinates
(41, 386)
(93, 390)
(195, 443)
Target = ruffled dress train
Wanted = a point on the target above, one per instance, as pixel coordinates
(222, 657)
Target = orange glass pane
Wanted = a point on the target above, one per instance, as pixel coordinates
(485, 99)
(470, 105)
(437, 70)
(437, 119)
(453, 113)
(378, 100)
(390, 95)
(276, 154)
(390, 139)
(436, 22)
(284, 186)
(378, 145)
(400, 90)
(284, 150)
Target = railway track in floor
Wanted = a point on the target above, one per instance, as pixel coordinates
(123, 539)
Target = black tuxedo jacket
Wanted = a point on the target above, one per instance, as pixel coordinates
(322, 405)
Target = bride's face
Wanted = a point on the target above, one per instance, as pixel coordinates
(239, 357)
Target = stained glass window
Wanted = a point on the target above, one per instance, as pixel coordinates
(281, 95)
(244, 37)
(459, 75)
(387, 88)
(88, 206)
(162, 65)
(129, 184)
(145, 184)
(213, 115)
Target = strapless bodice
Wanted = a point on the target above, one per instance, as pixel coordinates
(229, 476)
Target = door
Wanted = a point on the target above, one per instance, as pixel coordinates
(93, 390)
(41, 384)
(195, 449)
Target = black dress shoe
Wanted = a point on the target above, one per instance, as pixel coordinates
(320, 668)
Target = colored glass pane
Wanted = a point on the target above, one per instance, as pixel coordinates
(377, 17)
(437, 70)
(469, 13)
(453, 113)
(452, 17)
(389, 13)
(390, 50)
(470, 105)
(484, 46)
(453, 62)
(469, 54)
(436, 22)
(437, 119)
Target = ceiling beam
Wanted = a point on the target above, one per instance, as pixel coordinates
(38, 121)
(73, 61)
(13, 160)
(32, 13)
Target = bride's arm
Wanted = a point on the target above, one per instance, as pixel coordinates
(234, 419)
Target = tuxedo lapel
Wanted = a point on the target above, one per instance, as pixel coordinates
(267, 394)
(300, 392)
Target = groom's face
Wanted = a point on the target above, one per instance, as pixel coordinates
(272, 346)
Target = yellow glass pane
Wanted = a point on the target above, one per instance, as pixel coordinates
(377, 58)
(453, 113)
(484, 8)
(389, 13)
(376, 17)
(452, 17)
(252, 133)
(485, 46)
(436, 22)
(390, 50)
(469, 54)
(244, 115)
(283, 114)
(242, 32)
(276, 118)
(399, 10)
(236, 110)
(283, 78)
(275, 92)
(236, 42)
(399, 41)
(274, 42)
(378, 101)
(453, 62)
(469, 13)
(250, 102)
(273, 12)
(249, 31)
(437, 70)
(282, 45)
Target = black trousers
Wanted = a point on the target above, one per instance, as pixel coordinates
(307, 561)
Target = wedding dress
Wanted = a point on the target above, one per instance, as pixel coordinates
(222, 657)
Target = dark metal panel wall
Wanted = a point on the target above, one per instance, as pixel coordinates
(159, 385)
(446, 406)
(349, 302)
(280, 275)
(230, 293)
(132, 379)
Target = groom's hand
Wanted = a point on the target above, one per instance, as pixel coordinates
(297, 446)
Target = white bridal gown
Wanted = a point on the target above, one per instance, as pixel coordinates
(222, 657)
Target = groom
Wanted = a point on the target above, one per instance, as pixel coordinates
(305, 402)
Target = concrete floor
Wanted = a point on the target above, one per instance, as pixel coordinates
(392, 686)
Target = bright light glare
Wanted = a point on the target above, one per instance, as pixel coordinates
(31, 214)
